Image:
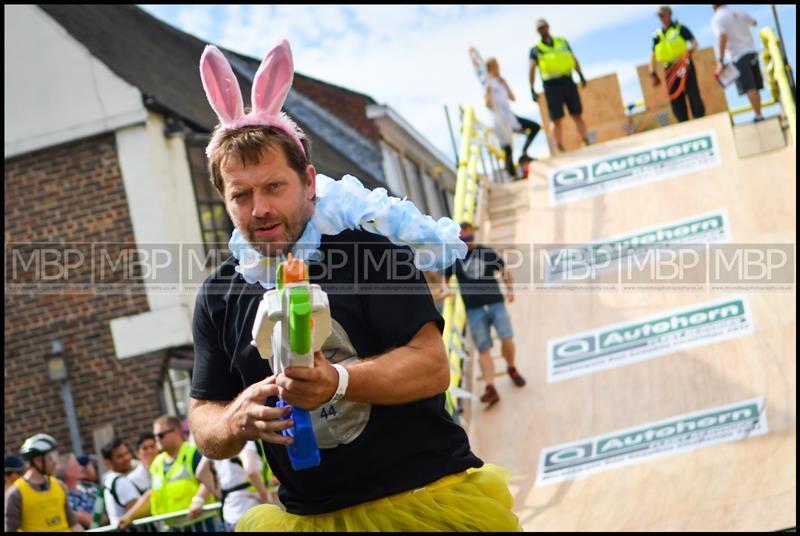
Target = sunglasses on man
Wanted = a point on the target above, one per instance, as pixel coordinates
(160, 435)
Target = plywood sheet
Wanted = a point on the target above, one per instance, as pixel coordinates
(603, 112)
(749, 484)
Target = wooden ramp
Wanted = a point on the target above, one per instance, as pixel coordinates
(697, 435)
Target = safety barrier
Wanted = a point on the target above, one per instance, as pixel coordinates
(778, 77)
(158, 523)
(476, 148)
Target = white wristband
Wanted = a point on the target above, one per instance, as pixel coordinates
(344, 378)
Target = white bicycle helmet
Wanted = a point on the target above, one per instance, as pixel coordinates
(37, 445)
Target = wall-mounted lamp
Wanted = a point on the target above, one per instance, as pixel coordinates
(56, 362)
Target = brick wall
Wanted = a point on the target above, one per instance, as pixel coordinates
(347, 105)
(71, 197)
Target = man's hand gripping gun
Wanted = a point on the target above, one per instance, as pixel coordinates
(292, 323)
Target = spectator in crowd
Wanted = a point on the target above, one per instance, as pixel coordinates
(175, 478)
(120, 493)
(37, 502)
(145, 450)
(81, 492)
(485, 308)
(243, 482)
(14, 467)
(90, 469)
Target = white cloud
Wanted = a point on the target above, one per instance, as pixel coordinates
(413, 58)
(195, 22)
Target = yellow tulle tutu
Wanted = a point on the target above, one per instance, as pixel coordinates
(475, 500)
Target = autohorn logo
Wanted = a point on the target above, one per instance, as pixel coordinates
(567, 456)
(571, 176)
(575, 348)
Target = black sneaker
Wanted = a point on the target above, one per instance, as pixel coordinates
(490, 396)
(516, 377)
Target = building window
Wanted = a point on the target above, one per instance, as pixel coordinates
(393, 170)
(178, 381)
(433, 196)
(414, 183)
(447, 198)
(215, 226)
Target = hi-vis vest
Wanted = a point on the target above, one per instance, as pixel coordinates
(671, 46)
(173, 491)
(555, 61)
(43, 511)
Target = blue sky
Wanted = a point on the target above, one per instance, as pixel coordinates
(415, 59)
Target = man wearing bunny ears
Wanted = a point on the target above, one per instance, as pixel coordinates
(392, 457)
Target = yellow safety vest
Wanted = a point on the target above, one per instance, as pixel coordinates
(173, 491)
(671, 45)
(555, 61)
(43, 511)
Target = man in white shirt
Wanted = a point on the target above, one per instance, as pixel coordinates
(735, 43)
(119, 492)
(242, 483)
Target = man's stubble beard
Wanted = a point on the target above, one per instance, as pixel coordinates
(294, 229)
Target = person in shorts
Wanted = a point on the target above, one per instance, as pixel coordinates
(555, 61)
(736, 45)
(486, 308)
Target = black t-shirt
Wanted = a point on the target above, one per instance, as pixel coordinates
(476, 280)
(378, 302)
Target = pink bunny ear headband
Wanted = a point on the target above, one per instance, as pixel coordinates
(270, 88)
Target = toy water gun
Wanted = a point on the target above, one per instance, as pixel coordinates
(292, 322)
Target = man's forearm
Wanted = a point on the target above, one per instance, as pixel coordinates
(210, 427)
(532, 73)
(203, 492)
(507, 279)
(258, 482)
(412, 372)
(141, 508)
(206, 477)
(723, 43)
(251, 467)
